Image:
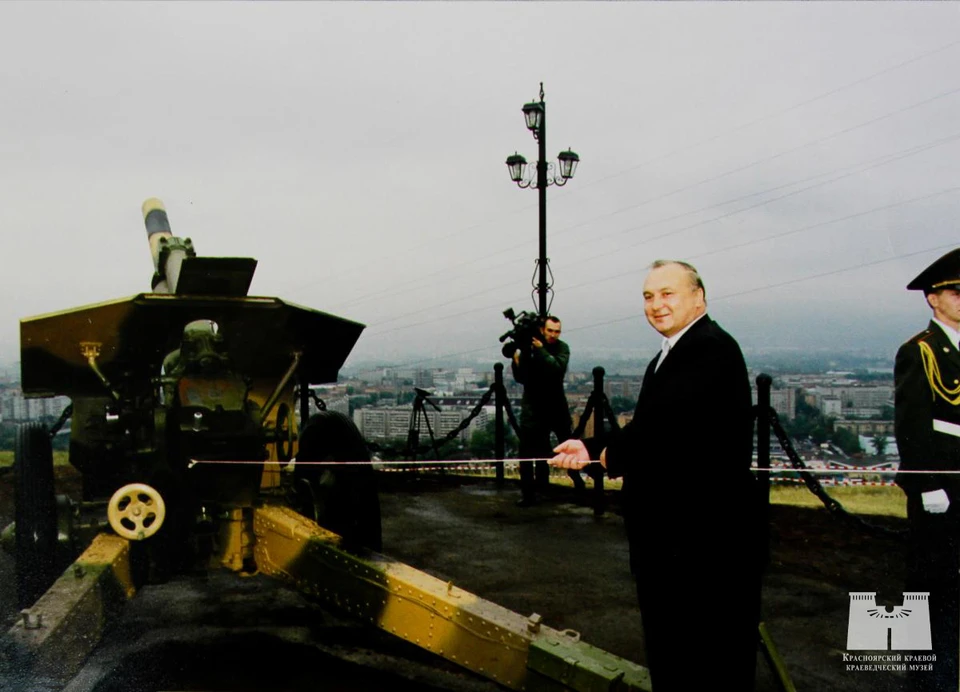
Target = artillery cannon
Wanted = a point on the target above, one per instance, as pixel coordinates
(185, 434)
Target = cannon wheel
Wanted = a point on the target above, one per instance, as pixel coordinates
(35, 512)
(284, 432)
(343, 500)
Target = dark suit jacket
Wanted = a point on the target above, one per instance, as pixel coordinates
(689, 494)
(541, 372)
(918, 404)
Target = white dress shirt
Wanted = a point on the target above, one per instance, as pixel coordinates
(670, 342)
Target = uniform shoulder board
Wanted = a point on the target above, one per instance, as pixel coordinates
(922, 336)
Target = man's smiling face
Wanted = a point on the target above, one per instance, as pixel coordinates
(671, 301)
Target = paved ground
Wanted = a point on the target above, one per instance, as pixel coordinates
(556, 559)
(559, 560)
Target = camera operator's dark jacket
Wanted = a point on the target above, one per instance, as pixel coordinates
(541, 372)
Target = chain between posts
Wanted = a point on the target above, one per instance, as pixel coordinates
(318, 402)
(584, 417)
(484, 400)
(511, 417)
(814, 485)
(591, 405)
(64, 417)
(589, 409)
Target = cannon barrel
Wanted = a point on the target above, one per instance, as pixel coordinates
(158, 226)
(168, 251)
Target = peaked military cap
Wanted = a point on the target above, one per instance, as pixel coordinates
(944, 273)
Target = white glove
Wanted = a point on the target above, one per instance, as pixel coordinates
(935, 501)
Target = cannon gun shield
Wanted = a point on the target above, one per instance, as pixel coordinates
(183, 427)
(133, 335)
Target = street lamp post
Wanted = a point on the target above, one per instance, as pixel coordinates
(535, 114)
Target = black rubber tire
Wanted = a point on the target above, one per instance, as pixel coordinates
(35, 512)
(345, 498)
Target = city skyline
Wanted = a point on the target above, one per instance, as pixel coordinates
(803, 156)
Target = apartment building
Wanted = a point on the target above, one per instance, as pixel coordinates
(393, 422)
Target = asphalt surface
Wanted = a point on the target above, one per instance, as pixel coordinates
(556, 559)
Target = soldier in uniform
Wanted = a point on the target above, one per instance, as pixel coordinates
(927, 425)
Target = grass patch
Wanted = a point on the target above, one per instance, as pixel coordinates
(510, 470)
(59, 458)
(871, 500)
(875, 500)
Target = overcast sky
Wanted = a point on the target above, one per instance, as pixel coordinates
(806, 157)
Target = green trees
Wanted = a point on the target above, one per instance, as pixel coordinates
(848, 441)
(810, 422)
(396, 449)
(880, 443)
(483, 441)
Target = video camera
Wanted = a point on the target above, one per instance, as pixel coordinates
(526, 328)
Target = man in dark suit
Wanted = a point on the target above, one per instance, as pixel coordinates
(927, 425)
(689, 497)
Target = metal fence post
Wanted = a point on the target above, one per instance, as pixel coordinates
(304, 403)
(600, 435)
(598, 410)
(764, 382)
(499, 436)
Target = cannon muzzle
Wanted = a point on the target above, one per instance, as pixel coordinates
(168, 251)
(178, 269)
(158, 226)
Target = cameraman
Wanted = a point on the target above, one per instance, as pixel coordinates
(540, 367)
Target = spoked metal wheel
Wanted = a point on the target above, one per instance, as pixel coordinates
(136, 511)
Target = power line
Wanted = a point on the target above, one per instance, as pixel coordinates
(756, 241)
(780, 284)
(832, 221)
(715, 137)
(775, 114)
(728, 296)
(800, 104)
(435, 319)
(778, 155)
(794, 231)
(885, 160)
(393, 288)
(858, 168)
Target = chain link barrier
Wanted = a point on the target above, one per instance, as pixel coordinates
(511, 418)
(813, 483)
(611, 416)
(435, 444)
(588, 411)
(317, 401)
(61, 421)
(582, 425)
